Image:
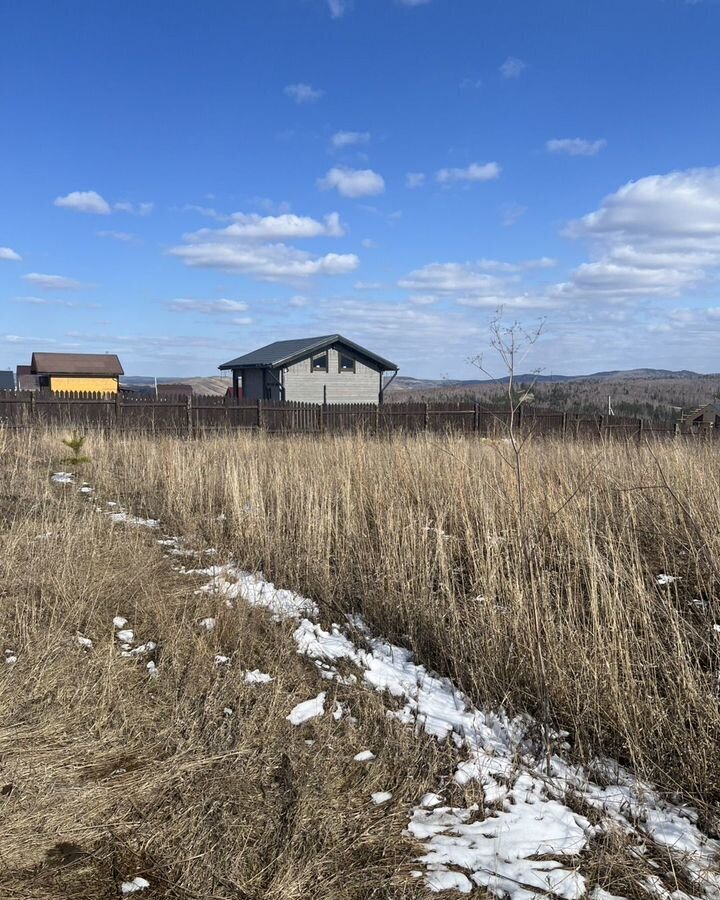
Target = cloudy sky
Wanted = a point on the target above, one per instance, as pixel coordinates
(182, 181)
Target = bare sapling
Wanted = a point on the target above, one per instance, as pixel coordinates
(512, 343)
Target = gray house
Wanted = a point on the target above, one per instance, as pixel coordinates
(329, 369)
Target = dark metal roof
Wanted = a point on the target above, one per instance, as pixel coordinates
(106, 364)
(283, 353)
(7, 381)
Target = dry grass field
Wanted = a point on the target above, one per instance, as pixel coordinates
(171, 766)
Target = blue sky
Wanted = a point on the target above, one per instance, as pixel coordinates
(181, 182)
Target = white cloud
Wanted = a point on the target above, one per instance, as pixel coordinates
(298, 301)
(575, 146)
(422, 299)
(368, 243)
(452, 279)
(8, 254)
(207, 307)
(303, 93)
(658, 236)
(511, 213)
(125, 236)
(367, 286)
(207, 211)
(244, 247)
(473, 172)
(352, 182)
(414, 179)
(54, 301)
(53, 282)
(141, 209)
(84, 202)
(21, 339)
(483, 283)
(268, 262)
(251, 226)
(512, 67)
(349, 138)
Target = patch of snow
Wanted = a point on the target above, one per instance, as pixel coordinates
(364, 756)
(227, 711)
(119, 622)
(125, 635)
(380, 797)
(141, 650)
(208, 623)
(308, 709)
(666, 579)
(221, 660)
(123, 518)
(152, 669)
(83, 641)
(63, 478)
(138, 883)
(524, 812)
(257, 677)
(231, 582)
(86, 489)
(598, 893)
(10, 657)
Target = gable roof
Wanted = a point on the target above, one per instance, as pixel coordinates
(106, 364)
(283, 353)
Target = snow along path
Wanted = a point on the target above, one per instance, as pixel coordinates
(524, 814)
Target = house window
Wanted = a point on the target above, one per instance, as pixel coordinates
(319, 363)
(345, 363)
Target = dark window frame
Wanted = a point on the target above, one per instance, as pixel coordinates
(326, 369)
(343, 371)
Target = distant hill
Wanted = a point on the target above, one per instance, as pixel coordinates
(407, 383)
(213, 385)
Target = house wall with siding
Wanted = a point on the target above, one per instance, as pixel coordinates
(360, 386)
(81, 383)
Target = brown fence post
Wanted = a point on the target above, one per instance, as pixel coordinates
(33, 407)
(564, 425)
(640, 430)
(259, 414)
(677, 429)
(118, 408)
(189, 412)
(476, 418)
(426, 417)
(377, 419)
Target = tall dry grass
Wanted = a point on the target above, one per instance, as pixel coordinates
(107, 773)
(421, 535)
(414, 531)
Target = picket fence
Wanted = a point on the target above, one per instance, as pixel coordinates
(201, 414)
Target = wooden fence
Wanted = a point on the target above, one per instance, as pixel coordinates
(198, 414)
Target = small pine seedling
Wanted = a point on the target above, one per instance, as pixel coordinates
(75, 443)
